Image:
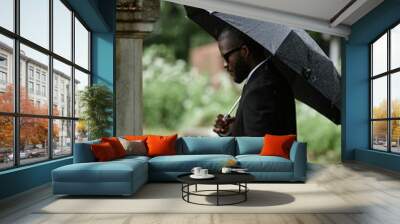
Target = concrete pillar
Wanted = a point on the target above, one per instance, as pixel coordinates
(135, 19)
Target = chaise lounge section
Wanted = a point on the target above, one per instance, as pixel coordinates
(125, 176)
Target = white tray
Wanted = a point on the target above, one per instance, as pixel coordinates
(208, 176)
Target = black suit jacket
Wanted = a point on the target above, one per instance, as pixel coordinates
(266, 106)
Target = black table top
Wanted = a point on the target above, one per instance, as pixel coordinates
(220, 178)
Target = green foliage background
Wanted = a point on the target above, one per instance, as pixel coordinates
(177, 98)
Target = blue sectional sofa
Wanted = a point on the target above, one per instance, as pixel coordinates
(125, 176)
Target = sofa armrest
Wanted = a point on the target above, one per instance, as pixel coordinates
(298, 155)
(83, 152)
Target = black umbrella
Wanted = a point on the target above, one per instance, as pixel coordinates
(311, 74)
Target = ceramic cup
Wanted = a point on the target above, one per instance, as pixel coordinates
(196, 171)
(226, 170)
(203, 172)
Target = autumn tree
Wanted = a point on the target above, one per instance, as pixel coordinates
(33, 130)
(380, 127)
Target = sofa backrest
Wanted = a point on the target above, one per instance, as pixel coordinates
(83, 152)
(206, 145)
(249, 145)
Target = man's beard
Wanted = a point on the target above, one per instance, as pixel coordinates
(241, 70)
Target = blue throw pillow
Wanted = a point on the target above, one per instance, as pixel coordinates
(249, 145)
(206, 145)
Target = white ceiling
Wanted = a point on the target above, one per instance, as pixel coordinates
(323, 16)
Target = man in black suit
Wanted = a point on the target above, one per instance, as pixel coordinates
(267, 104)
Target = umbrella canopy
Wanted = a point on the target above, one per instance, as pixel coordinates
(311, 74)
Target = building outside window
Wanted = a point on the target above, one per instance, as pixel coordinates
(34, 55)
(30, 87)
(3, 61)
(385, 92)
(43, 90)
(3, 78)
(3, 72)
(43, 78)
(30, 72)
(55, 95)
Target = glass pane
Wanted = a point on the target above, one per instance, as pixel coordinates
(395, 136)
(81, 131)
(35, 21)
(81, 81)
(62, 138)
(33, 139)
(395, 94)
(6, 74)
(379, 55)
(395, 47)
(62, 29)
(379, 100)
(34, 97)
(6, 142)
(62, 89)
(7, 14)
(379, 135)
(81, 45)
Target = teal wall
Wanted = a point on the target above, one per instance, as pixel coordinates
(99, 16)
(24, 178)
(103, 60)
(355, 63)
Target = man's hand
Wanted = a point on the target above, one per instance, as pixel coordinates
(222, 126)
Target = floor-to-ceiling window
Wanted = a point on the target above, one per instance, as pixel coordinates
(44, 64)
(385, 91)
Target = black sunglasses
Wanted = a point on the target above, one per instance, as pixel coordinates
(227, 54)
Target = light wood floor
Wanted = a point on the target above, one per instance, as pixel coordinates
(379, 189)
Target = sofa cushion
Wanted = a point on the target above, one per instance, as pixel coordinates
(249, 145)
(185, 163)
(257, 163)
(206, 145)
(159, 145)
(132, 158)
(112, 171)
(116, 145)
(103, 152)
(277, 145)
(135, 137)
(134, 147)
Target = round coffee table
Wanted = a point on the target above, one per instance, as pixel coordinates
(238, 179)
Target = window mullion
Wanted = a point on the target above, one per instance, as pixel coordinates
(371, 89)
(389, 106)
(73, 82)
(50, 81)
(16, 84)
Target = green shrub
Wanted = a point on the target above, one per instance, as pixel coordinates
(97, 103)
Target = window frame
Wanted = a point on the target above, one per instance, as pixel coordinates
(16, 114)
(388, 74)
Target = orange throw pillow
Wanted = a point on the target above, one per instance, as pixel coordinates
(161, 145)
(277, 145)
(103, 152)
(116, 145)
(135, 137)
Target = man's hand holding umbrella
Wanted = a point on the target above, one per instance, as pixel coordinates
(223, 124)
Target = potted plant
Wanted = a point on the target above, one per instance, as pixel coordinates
(96, 102)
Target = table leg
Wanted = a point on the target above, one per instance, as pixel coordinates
(217, 194)
(196, 188)
(188, 189)
(245, 193)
